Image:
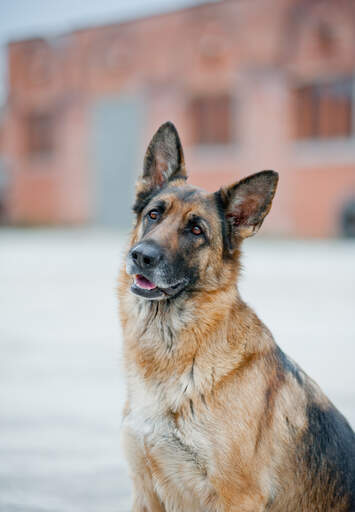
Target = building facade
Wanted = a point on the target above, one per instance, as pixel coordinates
(249, 85)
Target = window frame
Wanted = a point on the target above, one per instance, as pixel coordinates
(206, 145)
(327, 151)
(319, 138)
(35, 149)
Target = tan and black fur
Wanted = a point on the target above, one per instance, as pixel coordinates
(217, 417)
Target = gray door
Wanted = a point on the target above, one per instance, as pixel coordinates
(116, 141)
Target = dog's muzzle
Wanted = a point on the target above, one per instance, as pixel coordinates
(147, 262)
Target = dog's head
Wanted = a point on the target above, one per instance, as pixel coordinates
(186, 239)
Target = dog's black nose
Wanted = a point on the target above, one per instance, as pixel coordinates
(146, 255)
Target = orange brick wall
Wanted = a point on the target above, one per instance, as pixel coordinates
(252, 51)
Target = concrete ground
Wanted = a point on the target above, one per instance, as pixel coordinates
(61, 385)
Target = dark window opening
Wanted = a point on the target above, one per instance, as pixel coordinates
(326, 39)
(211, 118)
(348, 219)
(40, 134)
(324, 110)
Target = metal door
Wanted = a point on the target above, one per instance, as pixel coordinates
(117, 130)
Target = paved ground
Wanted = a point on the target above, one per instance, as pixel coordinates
(61, 389)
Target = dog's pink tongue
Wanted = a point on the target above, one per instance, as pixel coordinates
(142, 282)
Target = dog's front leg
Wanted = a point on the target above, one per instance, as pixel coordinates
(145, 498)
(248, 504)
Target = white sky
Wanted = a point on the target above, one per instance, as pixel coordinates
(28, 18)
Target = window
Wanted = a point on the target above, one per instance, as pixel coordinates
(211, 118)
(324, 110)
(40, 134)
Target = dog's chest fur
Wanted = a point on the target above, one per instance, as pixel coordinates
(161, 427)
(176, 455)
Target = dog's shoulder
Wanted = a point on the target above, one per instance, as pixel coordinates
(319, 451)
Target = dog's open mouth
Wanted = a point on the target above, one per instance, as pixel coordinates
(149, 290)
(144, 283)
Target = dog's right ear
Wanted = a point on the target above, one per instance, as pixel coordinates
(163, 162)
(245, 204)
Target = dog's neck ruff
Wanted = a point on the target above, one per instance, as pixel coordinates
(161, 322)
(178, 323)
(173, 346)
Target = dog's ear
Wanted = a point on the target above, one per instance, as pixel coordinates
(246, 203)
(163, 162)
(164, 158)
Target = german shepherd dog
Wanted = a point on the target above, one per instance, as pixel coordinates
(217, 417)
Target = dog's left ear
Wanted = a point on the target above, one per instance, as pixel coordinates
(246, 203)
(163, 162)
(164, 158)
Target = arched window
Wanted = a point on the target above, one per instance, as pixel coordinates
(324, 110)
(39, 134)
(211, 119)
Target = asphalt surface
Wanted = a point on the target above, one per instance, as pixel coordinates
(61, 385)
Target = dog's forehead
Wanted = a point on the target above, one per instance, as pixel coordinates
(187, 196)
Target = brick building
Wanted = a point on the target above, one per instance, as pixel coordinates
(250, 86)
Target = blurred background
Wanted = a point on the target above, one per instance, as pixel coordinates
(83, 87)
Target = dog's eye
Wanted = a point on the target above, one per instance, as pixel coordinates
(154, 214)
(196, 230)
